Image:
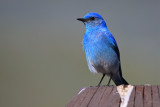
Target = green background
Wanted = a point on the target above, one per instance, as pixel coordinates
(42, 63)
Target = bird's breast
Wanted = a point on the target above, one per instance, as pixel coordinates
(99, 50)
(99, 54)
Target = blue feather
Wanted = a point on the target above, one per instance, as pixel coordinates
(101, 49)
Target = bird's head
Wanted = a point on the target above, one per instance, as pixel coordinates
(93, 20)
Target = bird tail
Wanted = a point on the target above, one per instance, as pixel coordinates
(124, 81)
(118, 79)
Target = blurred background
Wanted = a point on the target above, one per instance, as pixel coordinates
(42, 63)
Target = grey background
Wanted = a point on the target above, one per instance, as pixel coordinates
(42, 63)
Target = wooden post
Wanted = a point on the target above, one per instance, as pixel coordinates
(121, 96)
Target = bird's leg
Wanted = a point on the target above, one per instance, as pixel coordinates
(109, 80)
(101, 80)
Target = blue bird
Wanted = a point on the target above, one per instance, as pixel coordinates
(101, 49)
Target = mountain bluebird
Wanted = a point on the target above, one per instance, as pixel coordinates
(101, 49)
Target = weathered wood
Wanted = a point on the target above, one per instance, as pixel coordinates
(147, 96)
(77, 99)
(89, 97)
(108, 96)
(113, 99)
(139, 96)
(97, 97)
(105, 95)
(132, 98)
(155, 96)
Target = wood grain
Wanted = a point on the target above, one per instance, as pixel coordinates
(108, 96)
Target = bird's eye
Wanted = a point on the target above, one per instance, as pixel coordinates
(92, 18)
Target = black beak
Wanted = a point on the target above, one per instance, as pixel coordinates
(82, 19)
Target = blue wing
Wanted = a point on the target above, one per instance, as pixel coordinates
(113, 44)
